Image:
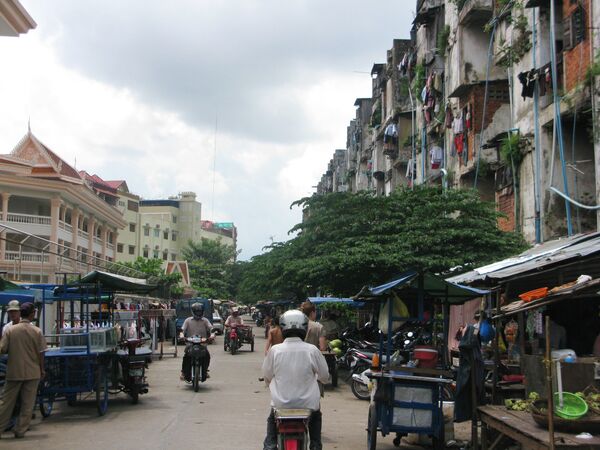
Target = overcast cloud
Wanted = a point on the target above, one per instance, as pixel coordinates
(131, 90)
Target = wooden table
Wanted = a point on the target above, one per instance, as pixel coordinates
(519, 426)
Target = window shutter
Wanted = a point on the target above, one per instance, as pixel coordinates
(567, 34)
(578, 25)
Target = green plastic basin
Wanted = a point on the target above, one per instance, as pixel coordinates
(573, 407)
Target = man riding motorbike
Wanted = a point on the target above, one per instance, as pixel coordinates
(292, 369)
(233, 320)
(197, 325)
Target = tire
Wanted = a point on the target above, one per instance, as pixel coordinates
(372, 428)
(233, 346)
(252, 345)
(196, 375)
(46, 406)
(134, 393)
(72, 399)
(101, 390)
(359, 390)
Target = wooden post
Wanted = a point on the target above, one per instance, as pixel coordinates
(496, 350)
(549, 386)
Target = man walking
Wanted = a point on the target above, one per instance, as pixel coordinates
(25, 345)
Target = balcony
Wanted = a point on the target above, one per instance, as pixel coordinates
(27, 256)
(65, 226)
(83, 234)
(29, 219)
(475, 12)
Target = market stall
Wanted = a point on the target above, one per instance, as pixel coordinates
(408, 397)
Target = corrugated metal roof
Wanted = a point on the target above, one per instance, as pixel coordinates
(537, 258)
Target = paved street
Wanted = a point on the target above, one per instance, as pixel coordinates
(228, 412)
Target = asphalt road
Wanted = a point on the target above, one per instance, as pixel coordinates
(228, 412)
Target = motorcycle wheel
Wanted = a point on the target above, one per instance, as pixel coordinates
(46, 406)
(196, 376)
(372, 428)
(135, 394)
(101, 390)
(233, 346)
(360, 391)
(252, 345)
(334, 374)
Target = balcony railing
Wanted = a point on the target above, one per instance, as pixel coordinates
(110, 246)
(65, 226)
(26, 256)
(83, 234)
(29, 219)
(97, 240)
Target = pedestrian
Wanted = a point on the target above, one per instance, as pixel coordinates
(275, 335)
(25, 345)
(14, 315)
(316, 332)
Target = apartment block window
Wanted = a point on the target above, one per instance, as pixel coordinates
(165, 255)
(121, 203)
(173, 257)
(173, 236)
(146, 231)
(132, 227)
(156, 232)
(155, 254)
(119, 248)
(145, 253)
(132, 249)
(174, 219)
(574, 28)
(166, 235)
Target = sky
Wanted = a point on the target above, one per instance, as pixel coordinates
(160, 93)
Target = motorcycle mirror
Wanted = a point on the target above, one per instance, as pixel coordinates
(406, 342)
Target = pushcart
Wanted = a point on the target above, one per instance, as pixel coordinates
(408, 399)
(237, 335)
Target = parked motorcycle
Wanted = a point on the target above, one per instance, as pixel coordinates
(198, 354)
(292, 428)
(133, 369)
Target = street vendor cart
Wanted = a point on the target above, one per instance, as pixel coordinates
(407, 399)
(83, 358)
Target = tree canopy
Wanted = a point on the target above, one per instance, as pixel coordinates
(211, 265)
(348, 240)
(167, 285)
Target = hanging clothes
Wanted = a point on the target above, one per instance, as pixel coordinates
(457, 124)
(528, 82)
(470, 363)
(403, 66)
(459, 143)
(436, 155)
(449, 117)
(468, 116)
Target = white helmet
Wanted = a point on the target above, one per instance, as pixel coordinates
(293, 323)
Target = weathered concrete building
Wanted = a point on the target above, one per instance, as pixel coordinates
(498, 96)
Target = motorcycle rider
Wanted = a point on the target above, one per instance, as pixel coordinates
(233, 320)
(292, 369)
(197, 325)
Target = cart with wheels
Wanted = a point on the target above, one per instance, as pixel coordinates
(237, 335)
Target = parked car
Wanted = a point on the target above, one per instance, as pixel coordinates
(217, 323)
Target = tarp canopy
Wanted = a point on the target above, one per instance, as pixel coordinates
(22, 295)
(407, 285)
(345, 301)
(113, 282)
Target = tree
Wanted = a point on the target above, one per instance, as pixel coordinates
(167, 285)
(211, 265)
(348, 240)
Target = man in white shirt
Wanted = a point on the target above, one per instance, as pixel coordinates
(14, 315)
(292, 369)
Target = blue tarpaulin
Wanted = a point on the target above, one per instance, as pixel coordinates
(346, 301)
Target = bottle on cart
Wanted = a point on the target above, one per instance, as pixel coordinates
(375, 365)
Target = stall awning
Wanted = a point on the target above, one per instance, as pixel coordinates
(538, 258)
(22, 295)
(433, 286)
(113, 282)
(342, 301)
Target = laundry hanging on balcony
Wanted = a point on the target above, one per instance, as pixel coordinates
(449, 116)
(436, 155)
(527, 80)
(403, 66)
(390, 135)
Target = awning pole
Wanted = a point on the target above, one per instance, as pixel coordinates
(549, 387)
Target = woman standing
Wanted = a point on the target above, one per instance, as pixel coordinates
(275, 335)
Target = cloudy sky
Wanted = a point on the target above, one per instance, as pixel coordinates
(135, 90)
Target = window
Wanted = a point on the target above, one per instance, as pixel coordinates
(574, 29)
(145, 253)
(173, 236)
(132, 206)
(155, 254)
(119, 248)
(174, 219)
(166, 235)
(132, 249)
(156, 232)
(132, 227)
(173, 257)
(121, 203)
(146, 231)
(165, 255)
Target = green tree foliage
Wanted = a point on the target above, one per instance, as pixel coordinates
(167, 285)
(212, 268)
(350, 240)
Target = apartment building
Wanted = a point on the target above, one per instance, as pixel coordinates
(128, 244)
(225, 232)
(500, 96)
(52, 220)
